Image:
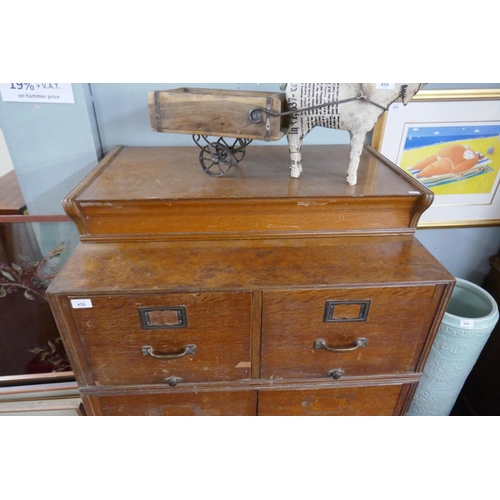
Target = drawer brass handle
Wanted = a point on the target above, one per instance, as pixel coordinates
(321, 344)
(149, 351)
(336, 374)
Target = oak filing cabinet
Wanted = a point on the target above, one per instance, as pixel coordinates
(251, 294)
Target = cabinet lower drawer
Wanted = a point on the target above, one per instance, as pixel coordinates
(201, 404)
(348, 401)
(351, 332)
(154, 339)
(359, 401)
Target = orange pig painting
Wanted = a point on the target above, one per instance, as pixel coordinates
(451, 159)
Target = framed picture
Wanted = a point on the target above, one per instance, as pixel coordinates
(449, 140)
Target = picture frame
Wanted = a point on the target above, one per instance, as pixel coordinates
(449, 140)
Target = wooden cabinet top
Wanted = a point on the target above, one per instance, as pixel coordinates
(11, 198)
(158, 193)
(181, 266)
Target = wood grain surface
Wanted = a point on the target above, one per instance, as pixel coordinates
(253, 259)
(162, 193)
(11, 197)
(215, 112)
(362, 401)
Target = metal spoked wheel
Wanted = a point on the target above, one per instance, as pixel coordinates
(216, 159)
(238, 149)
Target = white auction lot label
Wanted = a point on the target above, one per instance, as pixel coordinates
(81, 304)
(52, 93)
(467, 323)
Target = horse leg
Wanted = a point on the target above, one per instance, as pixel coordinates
(295, 139)
(357, 143)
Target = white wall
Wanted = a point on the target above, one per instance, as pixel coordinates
(122, 118)
(52, 146)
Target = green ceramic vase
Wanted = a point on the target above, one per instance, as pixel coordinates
(466, 327)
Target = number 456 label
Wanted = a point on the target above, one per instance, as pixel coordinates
(81, 304)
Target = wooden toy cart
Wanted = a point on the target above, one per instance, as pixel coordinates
(235, 117)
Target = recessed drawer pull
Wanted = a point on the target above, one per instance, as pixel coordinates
(321, 344)
(149, 351)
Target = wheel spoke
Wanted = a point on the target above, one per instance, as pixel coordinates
(216, 155)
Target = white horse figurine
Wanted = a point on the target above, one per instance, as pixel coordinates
(355, 107)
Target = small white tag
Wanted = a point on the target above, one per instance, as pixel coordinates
(81, 304)
(467, 323)
(386, 86)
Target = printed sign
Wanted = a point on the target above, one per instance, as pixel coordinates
(51, 93)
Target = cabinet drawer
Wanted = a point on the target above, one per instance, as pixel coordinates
(359, 401)
(375, 330)
(203, 337)
(201, 404)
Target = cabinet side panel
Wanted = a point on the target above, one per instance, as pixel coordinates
(71, 339)
(438, 307)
